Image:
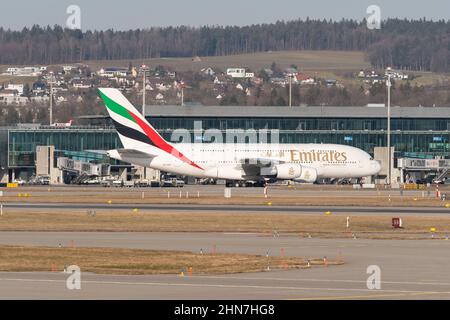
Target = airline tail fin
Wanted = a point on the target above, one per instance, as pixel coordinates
(134, 130)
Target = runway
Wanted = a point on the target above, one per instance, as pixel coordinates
(410, 269)
(235, 208)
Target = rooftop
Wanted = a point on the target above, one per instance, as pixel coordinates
(197, 111)
(296, 112)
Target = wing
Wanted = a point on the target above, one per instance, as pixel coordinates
(253, 166)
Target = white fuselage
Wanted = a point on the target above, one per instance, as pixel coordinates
(227, 161)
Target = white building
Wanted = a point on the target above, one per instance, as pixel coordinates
(81, 84)
(12, 97)
(113, 72)
(208, 71)
(24, 72)
(68, 68)
(239, 73)
(12, 71)
(17, 87)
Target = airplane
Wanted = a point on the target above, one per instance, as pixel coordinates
(234, 162)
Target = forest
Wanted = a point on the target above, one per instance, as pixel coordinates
(420, 45)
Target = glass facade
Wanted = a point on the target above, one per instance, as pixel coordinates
(420, 137)
(411, 137)
(292, 124)
(72, 143)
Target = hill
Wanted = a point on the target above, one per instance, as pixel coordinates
(305, 60)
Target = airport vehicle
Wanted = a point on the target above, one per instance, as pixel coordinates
(233, 162)
(174, 182)
(40, 180)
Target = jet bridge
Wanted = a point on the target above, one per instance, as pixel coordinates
(421, 168)
(83, 170)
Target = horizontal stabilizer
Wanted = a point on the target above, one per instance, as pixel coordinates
(136, 154)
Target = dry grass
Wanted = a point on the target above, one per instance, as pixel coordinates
(306, 60)
(317, 225)
(132, 261)
(5, 79)
(296, 199)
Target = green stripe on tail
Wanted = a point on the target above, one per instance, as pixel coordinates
(116, 108)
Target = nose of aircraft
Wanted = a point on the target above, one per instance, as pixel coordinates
(376, 166)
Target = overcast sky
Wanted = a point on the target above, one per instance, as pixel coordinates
(132, 14)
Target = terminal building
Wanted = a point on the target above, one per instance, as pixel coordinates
(417, 133)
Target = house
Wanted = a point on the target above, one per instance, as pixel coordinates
(208, 71)
(113, 72)
(239, 73)
(303, 78)
(159, 97)
(236, 72)
(24, 72)
(8, 93)
(60, 99)
(162, 87)
(68, 69)
(12, 71)
(81, 84)
(17, 87)
(39, 87)
(217, 81)
(28, 72)
(40, 99)
(278, 81)
(290, 72)
(396, 74)
(8, 97)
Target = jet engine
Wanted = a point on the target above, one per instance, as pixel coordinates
(308, 175)
(284, 171)
(289, 171)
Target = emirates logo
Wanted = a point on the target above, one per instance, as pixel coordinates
(291, 171)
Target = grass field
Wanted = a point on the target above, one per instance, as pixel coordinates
(323, 64)
(6, 79)
(382, 200)
(305, 60)
(139, 262)
(318, 225)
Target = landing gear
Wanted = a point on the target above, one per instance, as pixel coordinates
(235, 184)
(245, 184)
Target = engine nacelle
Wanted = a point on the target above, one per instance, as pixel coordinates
(308, 175)
(284, 171)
